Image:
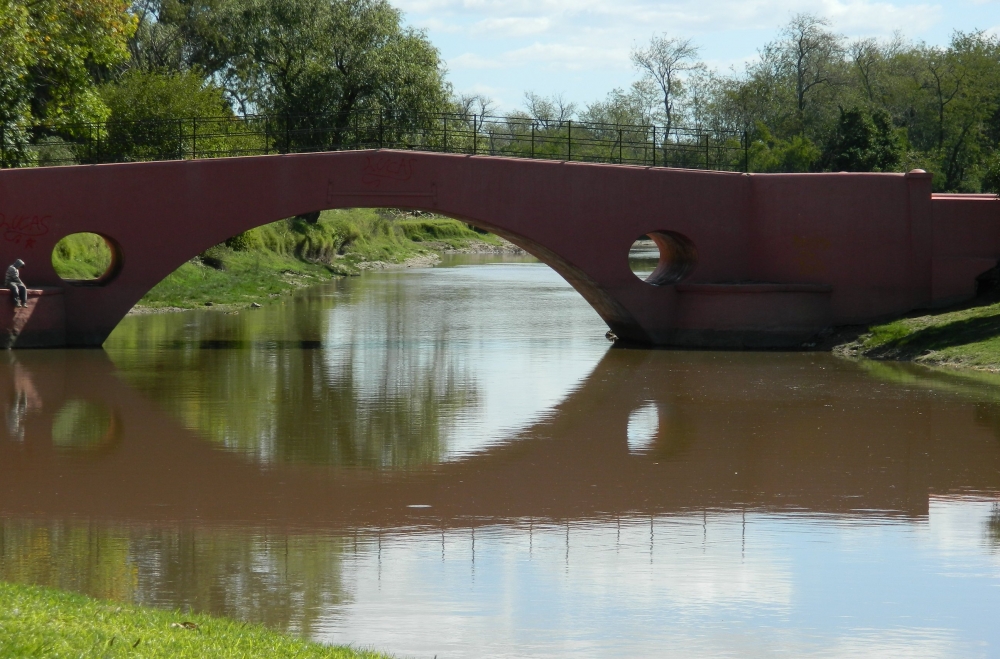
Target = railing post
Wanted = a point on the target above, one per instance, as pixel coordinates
(180, 139)
(288, 135)
(475, 134)
(706, 151)
(267, 136)
(654, 145)
(746, 152)
(381, 113)
(569, 140)
(3, 146)
(532, 139)
(445, 119)
(194, 138)
(619, 146)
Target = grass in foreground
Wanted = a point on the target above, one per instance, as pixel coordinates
(968, 337)
(42, 622)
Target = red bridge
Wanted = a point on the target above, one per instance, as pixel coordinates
(746, 260)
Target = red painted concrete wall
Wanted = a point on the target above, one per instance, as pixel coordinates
(833, 248)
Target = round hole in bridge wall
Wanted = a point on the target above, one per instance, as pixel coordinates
(86, 258)
(662, 257)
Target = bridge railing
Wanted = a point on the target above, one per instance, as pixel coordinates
(515, 136)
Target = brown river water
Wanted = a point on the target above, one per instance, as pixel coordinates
(453, 461)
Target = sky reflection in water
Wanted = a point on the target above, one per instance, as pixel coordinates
(575, 498)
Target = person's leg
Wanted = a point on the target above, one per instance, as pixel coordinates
(15, 294)
(23, 294)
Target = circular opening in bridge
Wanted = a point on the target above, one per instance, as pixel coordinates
(82, 425)
(662, 257)
(86, 258)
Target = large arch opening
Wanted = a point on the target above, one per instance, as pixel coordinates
(345, 346)
(271, 259)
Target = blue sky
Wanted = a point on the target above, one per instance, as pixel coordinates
(580, 48)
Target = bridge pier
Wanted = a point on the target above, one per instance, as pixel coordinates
(41, 323)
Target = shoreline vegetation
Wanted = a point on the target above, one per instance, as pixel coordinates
(278, 258)
(962, 337)
(37, 621)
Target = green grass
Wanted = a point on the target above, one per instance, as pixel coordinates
(279, 257)
(248, 277)
(42, 622)
(442, 230)
(81, 256)
(968, 337)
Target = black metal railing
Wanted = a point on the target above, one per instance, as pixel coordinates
(519, 137)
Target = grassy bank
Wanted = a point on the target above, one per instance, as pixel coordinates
(276, 258)
(964, 337)
(42, 622)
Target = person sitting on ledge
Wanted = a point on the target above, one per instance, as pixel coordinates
(13, 281)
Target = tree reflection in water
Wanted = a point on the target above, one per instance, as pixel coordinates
(282, 580)
(292, 400)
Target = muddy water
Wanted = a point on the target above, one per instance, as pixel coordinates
(454, 462)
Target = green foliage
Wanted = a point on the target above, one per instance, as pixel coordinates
(771, 154)
(50, 53)
(243, 277)
(865, 141)
(270, 260)
(991, 175)
(328, 60)
(63, 42)
(244, 242)
(151, 113)
(447, 231)
(37, 622)
(942, 104)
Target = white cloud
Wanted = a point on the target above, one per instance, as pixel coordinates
(512, 26)
(559, 56)
(685, 16)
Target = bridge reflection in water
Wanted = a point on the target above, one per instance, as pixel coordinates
(665, 486)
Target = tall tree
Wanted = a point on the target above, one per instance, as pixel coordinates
(548, 110)
(329, 59)
(51, 51)
(664, 61)
(635, 107)
(808, 58)
(959, 93)
(865, 141)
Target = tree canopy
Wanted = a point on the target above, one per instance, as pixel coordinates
(63, 61)
(812, 101)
